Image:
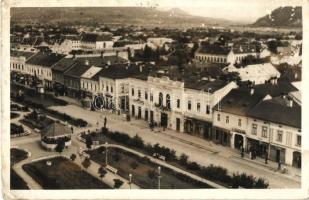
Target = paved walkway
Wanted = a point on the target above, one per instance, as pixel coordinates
(199, 150)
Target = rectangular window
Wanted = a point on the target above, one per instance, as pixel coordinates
(239, 122)
(298, 140)
(146, 95)
(139, 93)
(279, 136)
(198, 107)
(178, 103)
(151, 97)
(218, 117)
(254, 129)
(111, 89)
(189, 105)
(132, 91)
(264, 131)
(207, 109)
(107, 88)
(227, 119)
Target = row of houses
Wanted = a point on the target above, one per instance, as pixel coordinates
(255, 117)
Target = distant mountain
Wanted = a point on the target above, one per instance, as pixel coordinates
(281, 17)
(123, 15)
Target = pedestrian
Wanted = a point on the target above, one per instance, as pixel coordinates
(242, 149)
(105, 120)
(266, 157)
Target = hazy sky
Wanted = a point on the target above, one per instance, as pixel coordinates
(242, 10)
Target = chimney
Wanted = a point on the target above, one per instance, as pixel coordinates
(86, 62)
(290, 102)
(251, 91)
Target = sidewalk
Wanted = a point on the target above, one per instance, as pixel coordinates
(198, 150)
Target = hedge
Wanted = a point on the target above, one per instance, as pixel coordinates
(211, 172)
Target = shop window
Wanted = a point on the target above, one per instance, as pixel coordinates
(227, 119)
(218, 117)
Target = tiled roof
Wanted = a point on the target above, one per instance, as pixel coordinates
(94, 37)
(239, 102)
(22, 53)
(64, 64)
(55, 130)
(77, 70)
(214, 49)
(45, 59)
(205, 85)
(276, 110)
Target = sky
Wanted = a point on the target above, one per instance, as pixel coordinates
(236, 10)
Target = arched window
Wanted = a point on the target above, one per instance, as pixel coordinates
(168, 101)
(160, 99)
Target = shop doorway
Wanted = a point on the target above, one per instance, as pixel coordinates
(164, 119)
(238, 141)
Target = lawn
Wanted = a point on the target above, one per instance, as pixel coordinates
(17, 183)
(62, 174)
(144, 172)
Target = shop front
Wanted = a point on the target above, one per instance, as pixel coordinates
(257, 147)
(197, 127)
(221, 136)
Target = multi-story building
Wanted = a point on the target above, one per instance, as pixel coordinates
(40, 66)
(18, 60)
(214, 53)
(91, 41)
(181, 105)
(274, 126)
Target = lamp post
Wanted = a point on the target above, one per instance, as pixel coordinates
(159, 177)
(130, 180)
(106, 153)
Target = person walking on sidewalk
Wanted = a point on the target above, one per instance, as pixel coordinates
(266, 157)
(105, 120)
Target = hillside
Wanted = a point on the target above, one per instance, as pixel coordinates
(122, 15)
(281, 17)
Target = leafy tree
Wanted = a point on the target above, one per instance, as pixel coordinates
(86, 163)
(89, 141)
(117, 183)
(73, 157)
(60, 146)
(183, 159)
(102, 172)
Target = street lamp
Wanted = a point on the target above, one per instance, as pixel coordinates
(106, 153)
(159, 176)
(130, 180)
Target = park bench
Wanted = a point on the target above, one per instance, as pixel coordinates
(112, 169)
(159, 156)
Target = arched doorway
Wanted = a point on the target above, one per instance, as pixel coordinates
(297, 159)
(238, 141)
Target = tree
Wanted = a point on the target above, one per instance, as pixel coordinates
(102, 172)
(117, 183)
(60, 146)
(73, 157)
(183, 159)
(89, 141)
(86, 163)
